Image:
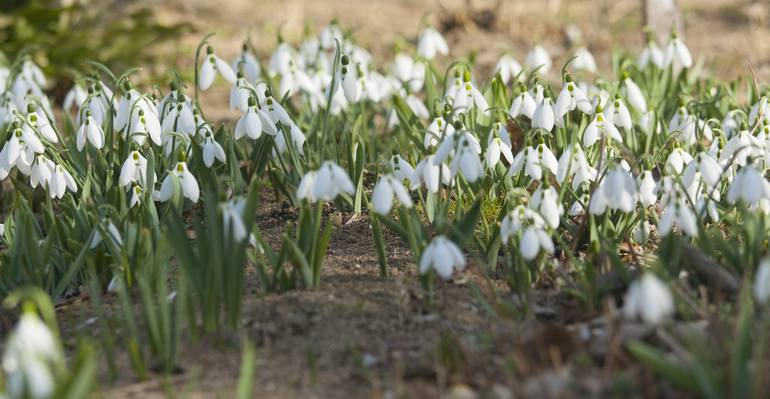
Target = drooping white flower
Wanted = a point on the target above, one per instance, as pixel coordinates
(325, 184)
(543, 117)
(649, 299)
(529, 226)
(431, 43)
(437, 130)
(211, 150)
(677, 53)
(28, 359)
(443, 256)
(616, 191)
(467, 97)
(113, 234)
(533, 161)
(91, 131)
(762, 282)
(708, 168)
(61, 181)
(134, 169)
(634, 95)
(387, 188)
(508, 68)
(679, 213)
(76, 96)
(348, 78)
(431, 174)
(240, 94)
(600, 127)
(648, 189)
(760, 110)
(750, 186)
(499, 143)
(584, 61)
(464, 149)
(212, 65)
(409, 72)
(740, 148)
(247, 63)
(620, 115)
(186, 180)
(651, 55)
(253, 122)
(570, 97)
(402, 169)
(546, 202)
(523, 104)
(573, 163)
(38, 119)
(136, 195)
(676, 160)
(538, 57)
(232, 219)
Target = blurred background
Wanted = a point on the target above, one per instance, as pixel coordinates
(161, 35)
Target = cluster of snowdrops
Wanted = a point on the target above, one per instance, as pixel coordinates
(518, 172)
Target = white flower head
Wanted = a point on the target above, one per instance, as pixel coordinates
(649, 299)
(212, 65)
(325, 184)
(386, 189)
(443, 256)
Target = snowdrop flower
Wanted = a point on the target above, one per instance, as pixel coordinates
(348, 80)
(546, 202)
(240, 93)
(295, 135)
(740, 148)
(543, 118)
(677, 53)
(533, 161)
(760, 110)
(39, 121)
(325, 184)
(523, 104)
(61, 181)
(212, 149)
(651, 55)
(584, 61)
(247, 63)
(708, 168)
(617, 191)
(677, 212)
(648, 298)
(648, 189)
(499, 143)
(180, 118)
(76, 96)
(232, 219)
(431, 43)
(633, 94)
(90, 130)
(27, 359)
(186, 179)
(600, 127)
(134, 169)
(529, 226)
(465, 150)
(42, 168)
(508, 68)
(431, 174)
(436, 132)
(19, 150)
(731, 123)
(621, 117)
(212, 65)
(573, 163)
(467, 96)
(146, 124)
(762, 282)
(136, 195)
(409, 72)
(676, 160)
(538, 57)
(252, 122)
(112, 232)
(402, 170)
(570, 97)
(443, 256)
(750, 186)
(384, 190)
(128, 109)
